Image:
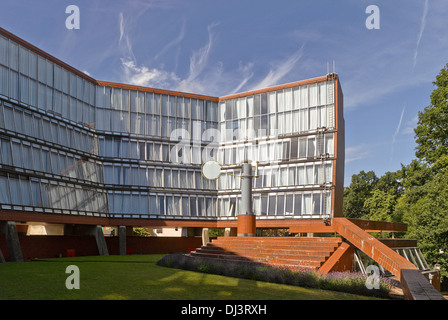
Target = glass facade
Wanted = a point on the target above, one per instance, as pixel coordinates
(290, 133)
(72, 145)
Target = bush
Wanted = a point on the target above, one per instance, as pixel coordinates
(348, 282)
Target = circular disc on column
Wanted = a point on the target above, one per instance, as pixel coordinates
(211, 170)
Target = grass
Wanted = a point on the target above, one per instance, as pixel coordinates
(138, 277)
(348, 282)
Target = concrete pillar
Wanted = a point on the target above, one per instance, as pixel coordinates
(205, 236)
(2, 259)
(100, 241)
(230, 232)
(246, 219)
(246, 189)
(122, 240)
(12, 241)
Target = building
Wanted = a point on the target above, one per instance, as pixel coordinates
(79, 156)
(75, 146)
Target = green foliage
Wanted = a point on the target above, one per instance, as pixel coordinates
(417, 194)
(141, 232)
(431, 132)
(356, 194)
(354, 283)
(381, 205)
(212, 232)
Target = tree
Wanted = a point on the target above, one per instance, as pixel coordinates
(381, 206)
(356, 194)
(417, 194)
(425, 209)
(424, 203)
(432, 130)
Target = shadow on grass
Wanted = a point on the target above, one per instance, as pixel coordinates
(347, 282)
(139, 278)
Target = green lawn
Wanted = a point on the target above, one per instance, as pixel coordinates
(137, 277)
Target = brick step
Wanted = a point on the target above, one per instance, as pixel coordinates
(252, 255)
(288, 240)
(310, 255)
(305, 263)
(304, 252)
(227, 246)
(276, 242)
(300, 252)
(281, 238)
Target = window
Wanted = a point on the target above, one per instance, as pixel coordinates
(294, 148)
(185, 206)
(4, 74)
(161, 202)
(4, 185)
(316, 203)
(193, 211)
(272, 205)
(289, 204)
(264, 205)
(307, 203)
(4, 49)
(311, 147)
(6, 155)
(13, 56)
(281, 204)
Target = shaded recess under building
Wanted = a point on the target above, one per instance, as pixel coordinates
(83, 162)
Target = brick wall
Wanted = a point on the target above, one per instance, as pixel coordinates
(53, 246)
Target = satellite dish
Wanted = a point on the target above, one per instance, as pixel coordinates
(211, 170)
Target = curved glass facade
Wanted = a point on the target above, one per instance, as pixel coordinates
(72, 145)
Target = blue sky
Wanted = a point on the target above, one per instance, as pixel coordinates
(223, 47)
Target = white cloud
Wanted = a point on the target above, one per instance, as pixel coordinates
(356, 153)
(198, 63)
(279, 71)
(246, 71)
(175, 41)
(136, 74)
(144, 76)
(204, 76)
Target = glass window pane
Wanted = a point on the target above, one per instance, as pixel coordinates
(14, 56)
(272, 205)
(23, 60)
(280, 205)
(4, 50)
(15, 191)
(4, 80)
(316, 203)
(4, 188)
(307, 204)
(14, 85)
(298, 204)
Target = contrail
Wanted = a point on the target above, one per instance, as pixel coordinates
(396, 132)
(422, 28)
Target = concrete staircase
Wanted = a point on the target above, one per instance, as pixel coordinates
(295, 252)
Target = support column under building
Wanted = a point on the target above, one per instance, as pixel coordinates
(9, 229)
(246, 219)
(122, 240)
(100, 241)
